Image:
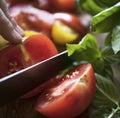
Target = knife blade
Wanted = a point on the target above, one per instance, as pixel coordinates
(17, 84)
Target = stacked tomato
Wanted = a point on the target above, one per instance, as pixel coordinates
(61, 27)
(64, 96)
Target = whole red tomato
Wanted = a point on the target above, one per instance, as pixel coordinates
(68, 96)
(64, 5)
(34, 49)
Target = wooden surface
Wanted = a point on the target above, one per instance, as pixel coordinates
(20, 109)
(24, 109)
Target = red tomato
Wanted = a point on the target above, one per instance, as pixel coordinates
(34, 49)
(50, 5)
(30, 18)
(42, 4)
(64, 4)
(70, 96)
(14, 2)
(72, 21)
(12, 59)
(39, 47)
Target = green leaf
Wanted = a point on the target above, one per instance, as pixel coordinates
(107, 99)
(109, 56)
(116, 39)
(108, 39)
(88, 41)
(106, 3)
(89, 6)
(86, 50)
(107, 94)
(105, 21)
(106, 113)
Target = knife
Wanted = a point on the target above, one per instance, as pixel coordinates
(18, 83)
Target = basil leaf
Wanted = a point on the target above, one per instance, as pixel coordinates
(108, 39)
(107, 94)
(89, 6)
(107, 99)
(109, 56)
(86, 50)
(116, 39)
(106, 3)
(88, 41)
(106, 113)
(105, 21)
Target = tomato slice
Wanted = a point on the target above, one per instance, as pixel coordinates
(63, 34)
(39, 47)
(69, 96)
(12, 59)
(2, 41)
(34, 49)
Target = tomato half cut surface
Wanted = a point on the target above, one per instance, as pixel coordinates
(69, 96)
(12, 59)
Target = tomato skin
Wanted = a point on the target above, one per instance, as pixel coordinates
(42, 4)
(31, 18)
(64, 5)
(14, 2)
(72, 21)
(69, 97)
(40, 47)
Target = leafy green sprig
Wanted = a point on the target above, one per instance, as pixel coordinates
(94, 6)
(106, 19)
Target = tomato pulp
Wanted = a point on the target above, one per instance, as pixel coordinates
(70, 95)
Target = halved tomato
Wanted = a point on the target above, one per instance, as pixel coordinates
(12, 59)
(69, 95)
(63, 34)
(33, 49)
(39, 47)
(31, 18)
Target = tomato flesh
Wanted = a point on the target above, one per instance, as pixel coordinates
(12, 59)
(70, 96)
(39, 47)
